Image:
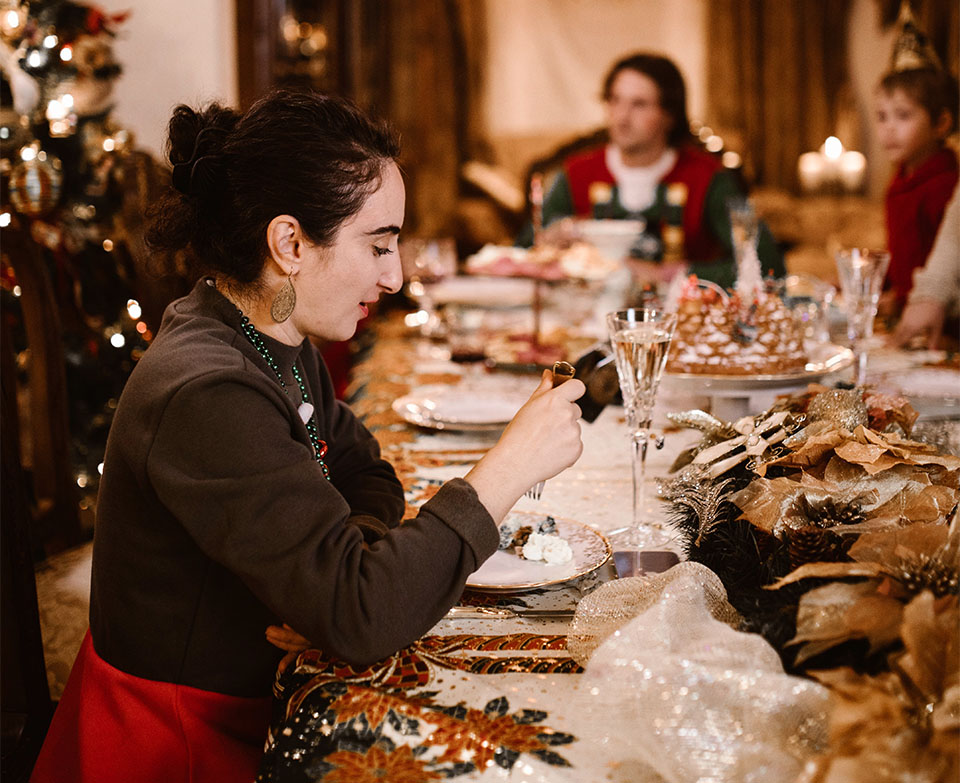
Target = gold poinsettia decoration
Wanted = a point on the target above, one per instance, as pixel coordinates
(903, 724)
(897, 564)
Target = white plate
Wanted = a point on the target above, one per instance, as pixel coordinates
(505, 572)
(444, 407)
(934, 391)
(823, 360)
(478, 291)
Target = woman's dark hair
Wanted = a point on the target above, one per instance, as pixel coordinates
(931, 88)
(316, 157)
(669, 80)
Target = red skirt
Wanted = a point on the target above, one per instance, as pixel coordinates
(112, 727)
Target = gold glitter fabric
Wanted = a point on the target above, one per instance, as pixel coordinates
(670, 688)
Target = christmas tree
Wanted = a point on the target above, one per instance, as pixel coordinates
(74, 195)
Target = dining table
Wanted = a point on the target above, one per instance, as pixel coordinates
(535, 678)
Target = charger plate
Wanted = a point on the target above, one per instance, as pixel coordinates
(505, 572)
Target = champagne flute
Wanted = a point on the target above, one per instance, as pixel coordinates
(861, 275)
(641, 339)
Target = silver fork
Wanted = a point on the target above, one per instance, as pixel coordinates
(562, 371)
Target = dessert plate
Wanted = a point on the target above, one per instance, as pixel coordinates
(823, 360)
(505, 572)
(444, 407)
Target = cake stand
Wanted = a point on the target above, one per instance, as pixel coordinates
(731, 397)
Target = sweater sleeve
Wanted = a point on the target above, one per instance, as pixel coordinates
(939, 278)
(225, 465)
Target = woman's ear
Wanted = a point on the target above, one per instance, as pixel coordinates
(285, 242)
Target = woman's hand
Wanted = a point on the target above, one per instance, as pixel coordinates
(922, 316)
(542, 440)
(287, 639)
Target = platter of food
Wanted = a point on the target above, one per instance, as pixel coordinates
(537, 550)
(579, 261)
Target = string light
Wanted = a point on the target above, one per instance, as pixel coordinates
(66, 53)
(4, 219)
(713, 143)
(108, 245)
(133, 309)
(117, 340)
(731, 159)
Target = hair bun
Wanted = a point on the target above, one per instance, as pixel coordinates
(195, 148)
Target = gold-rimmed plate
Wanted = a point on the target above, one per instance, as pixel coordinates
(506, 572)
(443, 407)
(822, 361)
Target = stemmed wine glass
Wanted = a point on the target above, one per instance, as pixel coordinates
(426, 262)
(861, 275)
(641, 339)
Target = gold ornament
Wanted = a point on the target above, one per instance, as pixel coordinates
(843, 407)
(600, 192)
(35, 184)
(285, 301)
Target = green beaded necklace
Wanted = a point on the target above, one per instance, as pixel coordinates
(256, 340)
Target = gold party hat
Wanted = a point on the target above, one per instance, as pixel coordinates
(912, 48)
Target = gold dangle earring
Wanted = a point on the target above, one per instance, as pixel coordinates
(285, 301)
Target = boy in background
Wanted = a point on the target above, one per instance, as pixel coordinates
(916, 112)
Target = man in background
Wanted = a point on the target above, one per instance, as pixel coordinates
(651, 168)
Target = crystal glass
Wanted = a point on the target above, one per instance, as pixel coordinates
(640, 338)
(744, 226)
(425, 262)
(861, 275)
(809, 299)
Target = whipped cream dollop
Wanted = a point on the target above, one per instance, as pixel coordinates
(552, 549)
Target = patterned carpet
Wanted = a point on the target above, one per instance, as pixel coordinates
(63, 592)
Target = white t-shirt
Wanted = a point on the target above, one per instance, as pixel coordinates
(637, 185)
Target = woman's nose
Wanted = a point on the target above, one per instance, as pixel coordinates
(392, 278)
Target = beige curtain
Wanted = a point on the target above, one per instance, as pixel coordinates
(777, 80)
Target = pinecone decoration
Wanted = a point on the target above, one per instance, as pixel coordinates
(923, 572)
(828, 512)
(814, 545)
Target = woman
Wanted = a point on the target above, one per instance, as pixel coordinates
(237, 493)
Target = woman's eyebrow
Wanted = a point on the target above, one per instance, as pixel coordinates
(384, 230)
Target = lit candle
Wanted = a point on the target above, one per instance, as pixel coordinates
(831, 168)
(832, 149)
(810, 171)
(853, 169)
